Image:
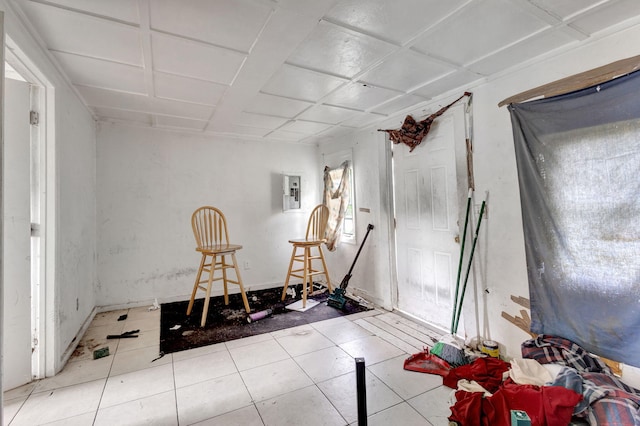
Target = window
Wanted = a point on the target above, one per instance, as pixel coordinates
(339, 197)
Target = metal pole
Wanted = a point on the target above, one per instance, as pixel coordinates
(361, 392)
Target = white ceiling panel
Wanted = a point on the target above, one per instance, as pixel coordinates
(405, 70)
(363, 119)
(180, 88)
(360, 96)
(299, 70)
(306, 127)
(121, 10)
(339, 51)
(72, 32)
(276, 105)
(602, 18)
(522, 51)
(565, 8)
(235, 129)
(479, 30)
(399, 104)
(259, 120)
(122, 115)
(234, 24)
(179, 123)
(192, 59)
(300, 83)
(286, 136)
(127, 101)
(397, 21)
(458, 79)
(328, 114)
(99, 73)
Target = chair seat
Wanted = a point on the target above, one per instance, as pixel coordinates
(219, 248)
(305, 242)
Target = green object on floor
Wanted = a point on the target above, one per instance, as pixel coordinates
(520, 418)
(101, 353)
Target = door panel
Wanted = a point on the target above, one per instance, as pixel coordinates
(426, 199)
(16, 333)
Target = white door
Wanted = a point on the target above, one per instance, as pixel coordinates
(426, 188)
(16, 333)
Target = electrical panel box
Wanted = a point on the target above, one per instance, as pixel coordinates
(291, 198)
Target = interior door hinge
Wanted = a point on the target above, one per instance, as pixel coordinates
(34, 118)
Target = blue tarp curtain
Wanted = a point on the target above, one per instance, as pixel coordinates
(578, 159)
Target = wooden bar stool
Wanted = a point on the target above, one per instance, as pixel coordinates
(212, 240)
(303, 254)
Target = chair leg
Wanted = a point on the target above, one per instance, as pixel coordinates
(205, 308)
(239, 279)
(326, 271)
(286, 282)
(195, 286)
(223, 266)
(306, 277)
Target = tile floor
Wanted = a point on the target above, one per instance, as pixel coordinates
(299, 376)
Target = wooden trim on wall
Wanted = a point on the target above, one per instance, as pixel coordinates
(578, 81)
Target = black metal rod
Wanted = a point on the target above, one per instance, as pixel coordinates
(346, 281)
(361, 388)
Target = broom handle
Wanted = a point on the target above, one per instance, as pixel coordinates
(466, 277)
(464, 237)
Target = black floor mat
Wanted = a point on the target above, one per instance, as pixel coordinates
(226, 323)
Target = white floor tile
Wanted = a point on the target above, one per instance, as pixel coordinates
(258, 354)
(77, 372)
(326, 363)
(10, 407)
(143, 312)
(434, 405)
(58, 404)
(137, 359)
(20, 391)
(405, 383)
(308, 407)
(81, 420)
(245, 341)
(106, 318)
(136, 385)
(342, 393)
(275, 379)
(211, 398)
(343, 332)
(142, 324)
(373, 349)
(96, 338)
(401, 414)
(203, 350)
(304, 341)
(247, 416)
(157, 409)
(205, 367)
(145, 339)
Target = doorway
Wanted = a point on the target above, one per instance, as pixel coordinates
(429, 188)
(25, 176)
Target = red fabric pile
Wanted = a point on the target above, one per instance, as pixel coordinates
(545, 405)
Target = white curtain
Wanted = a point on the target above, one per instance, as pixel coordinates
(336, 197)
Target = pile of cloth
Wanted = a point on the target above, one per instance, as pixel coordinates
(555, 381)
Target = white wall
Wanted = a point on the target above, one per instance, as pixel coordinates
(371, 276)
(72, 151)
(149, 183)
(500, 266)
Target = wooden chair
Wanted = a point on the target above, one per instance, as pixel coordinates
(302, 253)
(212, 240)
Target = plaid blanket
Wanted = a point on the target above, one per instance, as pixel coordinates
(548, 349)
(606, 400)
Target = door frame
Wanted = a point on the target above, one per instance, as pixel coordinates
(42, 98)
(462, 173)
